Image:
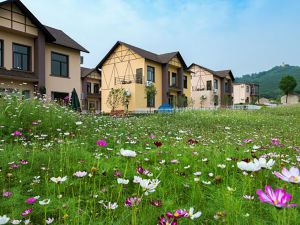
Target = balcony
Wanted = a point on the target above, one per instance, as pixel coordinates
(129, 79)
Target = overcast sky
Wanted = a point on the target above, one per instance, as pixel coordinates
(243, 35)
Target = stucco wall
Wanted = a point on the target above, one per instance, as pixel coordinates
(292, 99)
(240, 93)
(60, 84)
(18, 86)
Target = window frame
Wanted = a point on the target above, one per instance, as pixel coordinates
(60, 66)
(153, 77)
(96, 91)
(139, 76)
(185, 82)
(174, 78)
(89, 88)
(28, 57)
(216, 84)
(2, 53)
(209, 87)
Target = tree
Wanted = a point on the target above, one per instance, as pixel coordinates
(182, 101)
(287, 85)
(150, 92)
(116, 97)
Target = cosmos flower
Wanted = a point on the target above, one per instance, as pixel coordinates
(24, 162)
(80, 174)
(251, 166)
(117, 173)
(26, 212)
(247, 140)
(31, 200)
(162, 220)
(101, 143)
(58, 179)
(49, 220)
(16, 221)
(264, 164)
(132, 201)
(248, 197)
(17, 133)
(4, 219)
(275, 141)
(158, 144)
(156, 203)
(292, 175)
(6, 194)
(149, 185)
(178, 214)
(128, 153)
(278, 198)
(193, 215)
(122, 181)
(44, 202)
(111, 205)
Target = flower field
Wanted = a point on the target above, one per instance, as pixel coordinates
(208, 167)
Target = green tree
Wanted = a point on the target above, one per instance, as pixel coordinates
(116, 98)
(150, 93)
(287, 85)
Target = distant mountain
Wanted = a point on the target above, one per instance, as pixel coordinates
(269, 80)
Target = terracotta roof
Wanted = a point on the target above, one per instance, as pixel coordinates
(64, 40)
(160, 58)
(85, 71)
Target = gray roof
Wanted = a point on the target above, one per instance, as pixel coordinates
(160, 58)
(85, 71)
(63, 39)
(220, 73)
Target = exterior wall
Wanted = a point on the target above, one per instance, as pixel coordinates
(92, 98)
(60, 84)
(292, 99)
(13, 18)
(17, 86)
(187, 91)
(122, 65)
(10, 37)
(240, 93)
(199, 88)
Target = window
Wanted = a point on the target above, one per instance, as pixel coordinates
(150, 73)
(21, 57)
(247, 89)
(139, 76)
(59, 65)
(216, 84)
(150, 101)
(185, 82)
(174, 78)
(96, 88)
(1, 53)
(26, 94)
(208, 85)
(169, 78)
(89, 88)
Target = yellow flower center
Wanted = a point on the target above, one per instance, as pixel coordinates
(176, 214)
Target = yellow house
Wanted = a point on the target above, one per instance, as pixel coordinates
(34, 57)
(211, 89)
(132, 68)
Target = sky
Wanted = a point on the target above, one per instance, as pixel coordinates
(246, 36)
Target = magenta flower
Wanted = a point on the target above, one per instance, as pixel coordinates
(247, 140)
(166, 221)
(156, 203)
(117, 173)
(101, 143)
(14, 166)
(26, 212)
(23, 161)
(17, 133)
(158, 144)
(132, 201)
(7, 194)
(292, 175)
(279, 198)
(141, 170)
(30, 201)
(178, 214)
(275, 141)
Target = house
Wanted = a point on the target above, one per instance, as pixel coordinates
(91, 90)
(291, 99)
(34, 57)
(245, 93)
(132, 68)
(211, 89)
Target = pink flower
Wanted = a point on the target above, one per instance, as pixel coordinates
(247, 140)
(23, 161)
(7, 194)
(101, 143)
(166, 221)
(17, 133)
(117, 173)
(178, 214)
(14, 166)
(30, 200)
(279, 198)
(26, 212)
(132, 201)
(80, 174)
(292, 175)
(275, 141)
(175, 161)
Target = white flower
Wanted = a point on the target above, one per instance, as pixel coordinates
(16, 221)
(137, 179)
(211, 174)
(194, 216)
(231, 189)
(4, 219)
(264, 164)
(58, 179)
(197, 173)
(206, 182)
(128, 153)
(251, 166)
(122, 181)
(196, 179)
(149, 185)
(111, 205)
(27, 221)
(222, 166)
(248, 197)
(204, 160)
(78, 123)
(80, 174)
(44, 202)
(49, 220)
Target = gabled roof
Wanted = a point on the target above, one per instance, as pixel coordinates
(221, 73)
(52, 35)
(162, 58)
(34, 20)
(64, 40)
(87, 71)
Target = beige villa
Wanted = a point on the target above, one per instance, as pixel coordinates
(245, 93)
(132, 68)
(34, 57)
(211, 89)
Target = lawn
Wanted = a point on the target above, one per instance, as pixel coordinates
(60, 167)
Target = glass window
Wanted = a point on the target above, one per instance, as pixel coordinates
(247, 89)
(1, 53)
(21, 57)
(96, 88)
(208, 85)
(185, 82)
(139, 76)
(150, 101)
(174, 79)
(216, 84)
(89, 88)
(59, 65)
(150, 73)
(26, 94)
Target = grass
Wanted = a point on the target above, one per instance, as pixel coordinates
(54, 145)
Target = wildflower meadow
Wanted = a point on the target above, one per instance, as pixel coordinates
(193, 167)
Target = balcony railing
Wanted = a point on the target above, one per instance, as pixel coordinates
(129, 79)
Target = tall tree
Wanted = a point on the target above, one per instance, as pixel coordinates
(287, 85)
